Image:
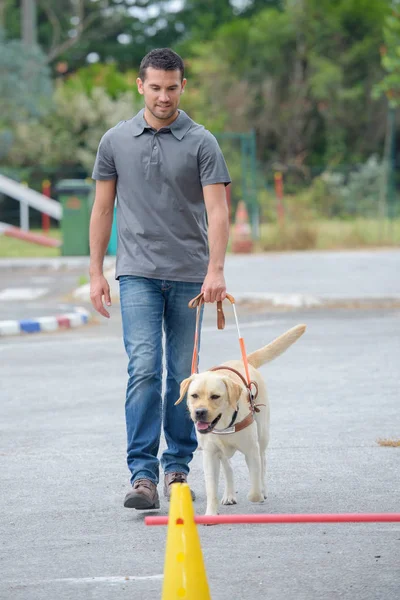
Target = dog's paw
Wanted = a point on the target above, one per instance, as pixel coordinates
(228, 499)
(211, 511)
(255, 496)
(210, 524)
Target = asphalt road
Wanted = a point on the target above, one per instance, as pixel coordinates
(64, 532)
(42, 287)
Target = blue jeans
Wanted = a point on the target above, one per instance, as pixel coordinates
(149, 306)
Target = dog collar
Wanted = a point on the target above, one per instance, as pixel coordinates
(233, 428)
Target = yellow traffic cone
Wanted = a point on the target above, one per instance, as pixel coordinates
(184, 573)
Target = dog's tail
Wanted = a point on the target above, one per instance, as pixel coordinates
(276, 348)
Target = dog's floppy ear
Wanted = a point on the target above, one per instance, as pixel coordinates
(183, 389)
(234, 391)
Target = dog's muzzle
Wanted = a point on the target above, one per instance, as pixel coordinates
(205, 427)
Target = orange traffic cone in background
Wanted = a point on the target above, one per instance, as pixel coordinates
(184, 572)
(241, 236)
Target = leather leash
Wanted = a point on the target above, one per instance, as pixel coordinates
(197, 303)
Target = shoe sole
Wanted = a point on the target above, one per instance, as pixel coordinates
(140, 503)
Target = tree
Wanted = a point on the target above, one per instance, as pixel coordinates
(389, 87)
(69, 30)
(390, 56)
(68, 136)
(301, 76)
(122, 31)
(25, 87)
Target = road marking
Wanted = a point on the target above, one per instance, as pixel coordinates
(22, 293)
(83, 580)
(106, 579)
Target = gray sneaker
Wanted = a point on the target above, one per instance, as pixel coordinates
(170, 479)
(143, 495)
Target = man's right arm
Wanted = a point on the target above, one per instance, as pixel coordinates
(99, 237)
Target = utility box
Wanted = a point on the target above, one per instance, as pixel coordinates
(76, 197)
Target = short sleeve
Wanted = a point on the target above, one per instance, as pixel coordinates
(104, 166)
(212, 165)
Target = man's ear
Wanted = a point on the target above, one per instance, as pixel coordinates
(139, 84)
(234, 391)
(183, 389)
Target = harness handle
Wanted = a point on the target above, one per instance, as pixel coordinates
(198, 300)
(197, 303)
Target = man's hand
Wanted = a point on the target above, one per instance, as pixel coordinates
(99, 288)
(214, 287)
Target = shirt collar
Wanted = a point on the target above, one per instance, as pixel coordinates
(179, 127)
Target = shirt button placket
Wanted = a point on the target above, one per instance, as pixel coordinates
(154, 151)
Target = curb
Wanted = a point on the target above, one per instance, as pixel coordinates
(276, 300)
(260, 300)
(59, 263)
(80, 316)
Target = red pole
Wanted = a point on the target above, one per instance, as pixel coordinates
(286, 518)
(279, 196)
(20, 234)
(46, 185)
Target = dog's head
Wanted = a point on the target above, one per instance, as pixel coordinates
(209, 398)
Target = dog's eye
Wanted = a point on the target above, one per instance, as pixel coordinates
(194, 396)
(215, 397)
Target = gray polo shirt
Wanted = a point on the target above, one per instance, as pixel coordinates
(161, 216)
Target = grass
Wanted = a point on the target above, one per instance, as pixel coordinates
(295, 235)
(13, 248)
(83, 280)
(391, 443)
(329, 235)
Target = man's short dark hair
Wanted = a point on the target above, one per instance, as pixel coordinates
(163, 59)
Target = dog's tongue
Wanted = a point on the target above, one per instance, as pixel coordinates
(201, 425)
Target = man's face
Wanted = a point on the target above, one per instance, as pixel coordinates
(162, 92)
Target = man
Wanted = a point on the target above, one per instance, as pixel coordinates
(169, 176)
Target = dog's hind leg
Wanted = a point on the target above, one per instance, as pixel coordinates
(263, 459)
(229, 496)
(253, 460)
(263, 443)
(211, 464)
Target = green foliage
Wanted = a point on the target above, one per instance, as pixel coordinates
(105, 76)
(70, 133)
(25, 86)
(302, 77)
(345, 193)
(390, 52)
(300, 72)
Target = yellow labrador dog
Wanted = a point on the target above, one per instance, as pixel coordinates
(228, 418)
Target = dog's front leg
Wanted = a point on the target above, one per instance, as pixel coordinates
(229, 496)
(211, 464)
(253, 460)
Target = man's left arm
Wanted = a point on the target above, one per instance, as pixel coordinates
(214, 287)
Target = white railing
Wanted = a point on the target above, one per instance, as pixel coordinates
(28, 197)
